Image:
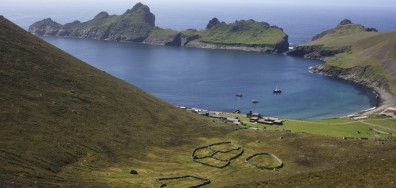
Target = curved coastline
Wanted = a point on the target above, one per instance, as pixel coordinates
(384, 98)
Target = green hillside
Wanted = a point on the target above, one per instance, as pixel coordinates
(58, 111)
(375, 56)
(67, 124)
(355, 53)
(244, 32)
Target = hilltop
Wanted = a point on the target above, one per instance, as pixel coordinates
(138, 25)
(334, 41)
(65, 123)
(358, 54)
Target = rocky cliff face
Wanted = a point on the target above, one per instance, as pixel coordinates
(317, 51)
(362, 75)
(45, 27)
(134, 25)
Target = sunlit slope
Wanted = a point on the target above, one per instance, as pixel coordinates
(356, 53)
(373, 58)
(56, 110)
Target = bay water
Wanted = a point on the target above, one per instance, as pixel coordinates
(209, 79)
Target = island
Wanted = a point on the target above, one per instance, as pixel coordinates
(138, 25)
(358, 54)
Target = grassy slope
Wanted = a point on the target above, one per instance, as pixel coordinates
(345, 35)
(372, 50)
(57, 110)
(65, 123)
(243, 32)
(373, 128)
(159, 34)
(377, 52)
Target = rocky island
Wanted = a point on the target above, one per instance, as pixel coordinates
(358, 54)
(138, 25)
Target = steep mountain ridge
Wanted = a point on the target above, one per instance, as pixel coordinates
(57, 111)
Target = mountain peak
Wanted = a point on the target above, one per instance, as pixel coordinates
(143, 11)
(137, 7)
(344, 22)
(102, 15)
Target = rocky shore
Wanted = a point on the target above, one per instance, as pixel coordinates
(356, 54)
(385, 99)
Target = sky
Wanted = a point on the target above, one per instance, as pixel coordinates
(295, 16)
(367, 3)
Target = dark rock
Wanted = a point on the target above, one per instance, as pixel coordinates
(212, 23)
(45, 27)
(344, 22)
(143, 10)
(101, 15)
(133, 172)
(176, 41)
(371, 29)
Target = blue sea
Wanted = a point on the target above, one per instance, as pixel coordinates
(209, 79)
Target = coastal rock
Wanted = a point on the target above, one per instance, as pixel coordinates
(317, 51)
(213, 22)
(45, 27)
(345, 22)
(166, 37)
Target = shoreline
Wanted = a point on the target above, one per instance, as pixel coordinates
(384, 99)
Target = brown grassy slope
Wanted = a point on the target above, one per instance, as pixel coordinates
(56, 109)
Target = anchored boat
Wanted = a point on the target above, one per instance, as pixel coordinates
(254, 101)
(277, 91)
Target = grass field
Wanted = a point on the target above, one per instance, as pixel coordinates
(373, 128)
